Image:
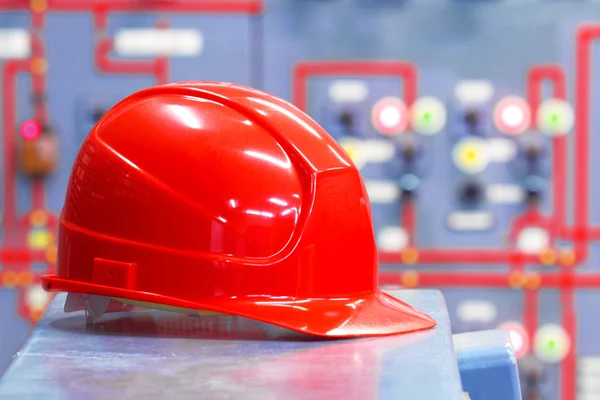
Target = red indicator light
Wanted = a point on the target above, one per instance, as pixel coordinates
(30, 130)
(518, 337)
(389, 116)
(512, 115)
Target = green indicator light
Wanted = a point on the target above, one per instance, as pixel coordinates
(555, 117)
(428, 116)
(552, 344)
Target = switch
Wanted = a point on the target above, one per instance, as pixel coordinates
(471, 193)
(409, 183)
(347, 119)
(409, 150)
(533, 186)
(97, 114)
(532, 152)
(472, 120)
(532, 147)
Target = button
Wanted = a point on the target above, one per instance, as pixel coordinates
(409, 184)
(97, 114)
(346, 119)
(471, 155)
(532, 151)
(409, 150)
(533, 186)
(472, 119)
(471, 193)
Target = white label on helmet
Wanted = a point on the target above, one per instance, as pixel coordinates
(153, 42)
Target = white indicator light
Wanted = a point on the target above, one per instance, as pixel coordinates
(518, 337)
(512, 115)
(389, 116)
(533, 240)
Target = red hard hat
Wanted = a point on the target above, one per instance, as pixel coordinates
(218, 197)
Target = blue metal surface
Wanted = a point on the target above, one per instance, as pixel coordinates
(160, 355)
(488, 365)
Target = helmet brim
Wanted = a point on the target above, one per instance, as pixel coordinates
(373, 314)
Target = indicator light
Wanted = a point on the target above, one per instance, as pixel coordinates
(512, 115)
(389, 116)
(518, 337)
(30, 130)
(471, 155)
(555, 117)
(533, 240)
(428, 116)
(551, 343)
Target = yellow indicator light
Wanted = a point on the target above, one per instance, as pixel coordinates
(471, 155)
(39, 239)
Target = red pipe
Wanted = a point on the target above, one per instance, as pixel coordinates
(530, 312)
(38, 83)
(491, 280)
(9, 75)
(105, 64)
(585, 36)
(409, 220)
(306, 69)
(531, 217)
(593, 233)
(20, 256)
(440, 279)
(214, 7)
(568, 365)
(470, 256)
